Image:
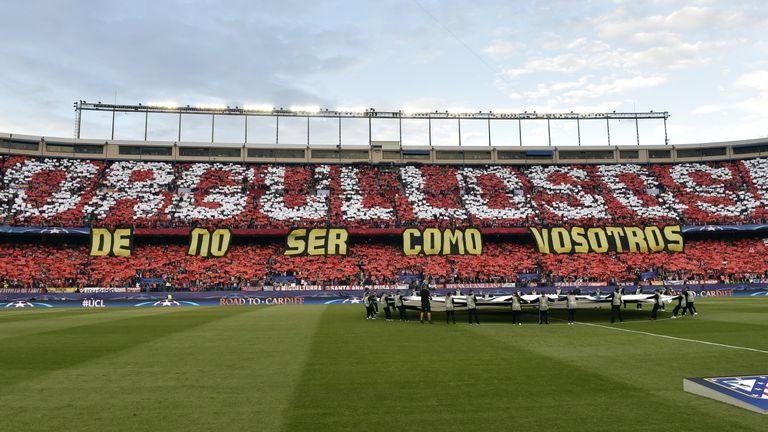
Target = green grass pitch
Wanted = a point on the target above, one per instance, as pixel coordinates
(326, 368)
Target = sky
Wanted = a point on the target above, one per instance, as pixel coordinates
(704, 62)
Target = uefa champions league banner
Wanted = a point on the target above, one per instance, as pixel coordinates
(285, 298)
(80, 231)
(101, 302)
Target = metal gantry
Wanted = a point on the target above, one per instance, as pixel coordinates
(370, 114)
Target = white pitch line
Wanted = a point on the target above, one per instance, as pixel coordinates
(676, 338)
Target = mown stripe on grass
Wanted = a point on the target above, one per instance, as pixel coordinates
(364, 375)
(49, 320)
(25, 357)
(719, 345)
(651, 369)
(376, 375)
(11, 315)
(231, 373)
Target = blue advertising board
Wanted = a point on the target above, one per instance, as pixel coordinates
(156, 301)
(745, 391)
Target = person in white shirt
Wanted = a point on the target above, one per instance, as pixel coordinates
(616, 302)
(543, 309)
(570, 301)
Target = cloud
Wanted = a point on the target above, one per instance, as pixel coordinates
(191, 53)
(754, 80)
(584, 54)
(622, 22)
(502, 49)
(547, 56)
(615, 86)
(754, 104)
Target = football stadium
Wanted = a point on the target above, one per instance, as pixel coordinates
(325, 270)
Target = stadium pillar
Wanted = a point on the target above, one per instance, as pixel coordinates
(307, 131)
(179, 139)
(146, 120)
(549, 133)
(608, 128)
(429, 131)
(637, 129)
(78, 118)
(578, 130)
(339, 136)
(489, 130)
(113, 123)
(277, 130)
(520, 130)
(459, 119)
(213, 126)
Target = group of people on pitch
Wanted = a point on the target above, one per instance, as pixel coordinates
(391, 301)
(685, 303)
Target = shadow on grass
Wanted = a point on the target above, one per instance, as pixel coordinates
(556, 316)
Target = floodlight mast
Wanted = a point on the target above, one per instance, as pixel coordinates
(371, 114)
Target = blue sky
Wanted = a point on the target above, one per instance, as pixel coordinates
(705, 62)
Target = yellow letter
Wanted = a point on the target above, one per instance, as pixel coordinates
(431, 238)
(450, 238)
(636, 239)
(101, 242)
(122, 242)
(561, 241)
(337, 241)
(220, 240)
(598, 241)
(474, 241)
(542, 239)
(411, 241)
(199, 241)
(674, 238)
(618, 234)
(317, 241)
(654, 238)
(580, 242)
(295, 242)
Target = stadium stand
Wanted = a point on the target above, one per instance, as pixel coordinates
(66, 192)
(41, 266)
(61, 192)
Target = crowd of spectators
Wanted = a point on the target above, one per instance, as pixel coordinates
(263, 264)
(70, 193)
(66, 192)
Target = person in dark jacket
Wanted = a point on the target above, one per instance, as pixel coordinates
(657, 304)
(375, 303)
(426, 306)
(400, 304)
(389, 304)
(682, 303)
